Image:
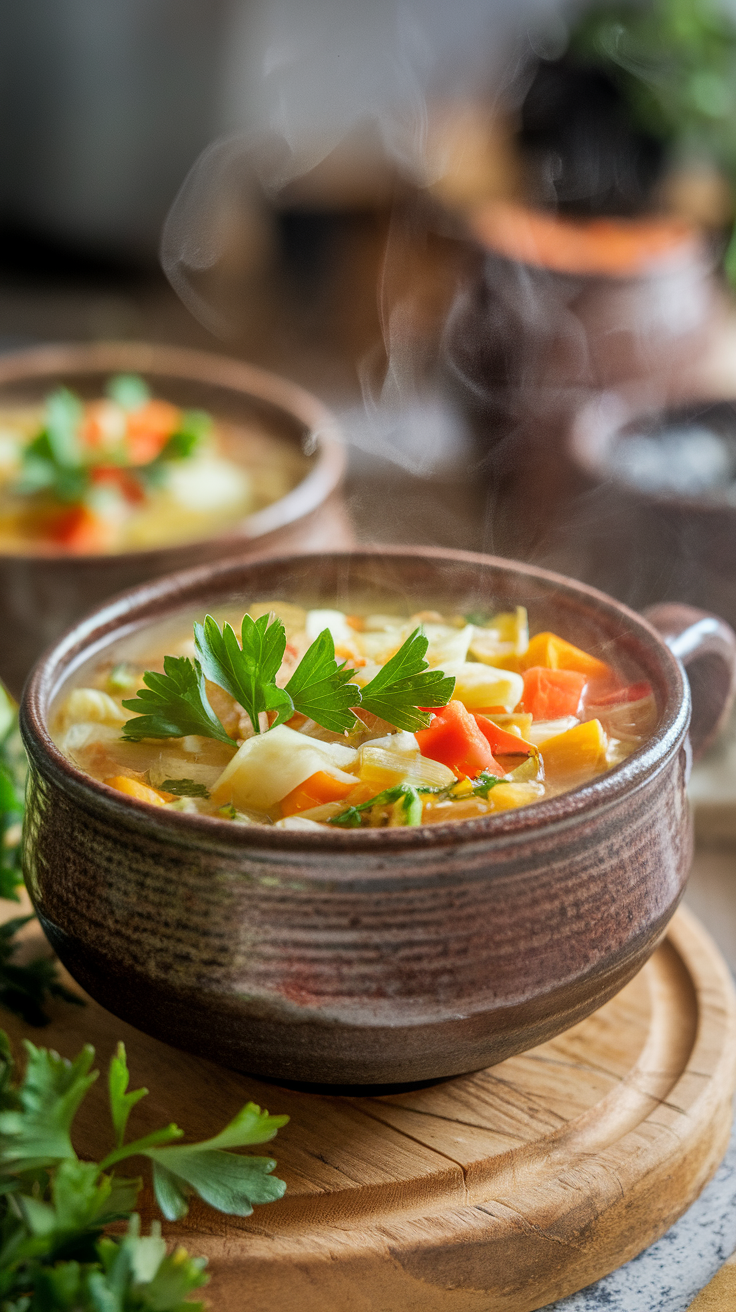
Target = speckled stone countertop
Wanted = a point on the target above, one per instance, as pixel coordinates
(668, 1276)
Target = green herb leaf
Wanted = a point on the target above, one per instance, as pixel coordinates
(408, 794)
(404, 684)
(121, 1102)
(173, 704)
(183, 788)
(321, 689)
(129, 391)
(64, 412)
(246, 671)
(37, 1134)
(483, 784)
(195, 427)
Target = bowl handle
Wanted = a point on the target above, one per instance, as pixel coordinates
(706, 646)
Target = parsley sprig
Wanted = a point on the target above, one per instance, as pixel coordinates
(53, 1207)
(174, 704)
(404, 684)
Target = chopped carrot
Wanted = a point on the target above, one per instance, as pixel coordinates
(555, 653)
(121, 479)
(578, 751)
(319, 788)
(80, 529)
(149, 429)
(551, 694)
(454, 739)
(500, 741)
(134, 788)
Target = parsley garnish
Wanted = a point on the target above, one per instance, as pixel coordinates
(183, 788)
(320, 688)
(53, 1207)
(484, 783)
(173, 704)
(404, 684)
(247, 673)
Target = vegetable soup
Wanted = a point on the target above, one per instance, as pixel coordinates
(129, 471)
(320, 719)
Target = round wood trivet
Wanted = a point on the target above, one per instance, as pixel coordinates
(494, 1192)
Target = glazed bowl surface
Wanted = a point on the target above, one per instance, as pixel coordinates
(281, 425)
(370, 957)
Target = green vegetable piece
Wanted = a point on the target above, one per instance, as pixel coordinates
(408, 809)
(350, 818)
(195, 428)
(183, 788)
(321, 689)
(247, 672)
(121, 677)
(121, 1102)
(129, 391)
(173, 704)
(64, 412)
(404, 684)
(483, 784)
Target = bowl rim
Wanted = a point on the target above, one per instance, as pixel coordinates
(608, 415)
(324, 438)
(176, 591)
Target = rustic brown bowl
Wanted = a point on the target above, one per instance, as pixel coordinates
(380, 956)
(43, 592)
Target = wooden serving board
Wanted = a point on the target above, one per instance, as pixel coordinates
(494, 1192)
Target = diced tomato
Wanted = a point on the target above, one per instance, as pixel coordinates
(149, 429)
(122, 479)
(80, 529)
(551, 694)
(454, 739)
(319, 788)
(500, 741)
(634, 692)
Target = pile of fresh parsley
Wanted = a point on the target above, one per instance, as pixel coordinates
(54, 1256)
(174, 704)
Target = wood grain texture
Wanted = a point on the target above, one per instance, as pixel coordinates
(493, 1192)
(719, 1294)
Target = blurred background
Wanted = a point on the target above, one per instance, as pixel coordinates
(495, 237)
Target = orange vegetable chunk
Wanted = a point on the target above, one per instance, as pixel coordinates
(319, 788)
(80, 529)
(148, 430)
(579, 751)
(500, 741)
(134, 788)
(551, 694)
(454, 739)
(555, 653)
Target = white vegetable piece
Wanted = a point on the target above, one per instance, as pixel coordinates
(270, 765)
(377, 764)
(447, 645)
(91, 705)
(334, 620)
(540, 730)
(478, 686)
(403, 741)
(297, 822)
(207, 483)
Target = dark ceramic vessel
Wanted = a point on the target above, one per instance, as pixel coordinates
(641, 545)
(380, 956)
(43, 592)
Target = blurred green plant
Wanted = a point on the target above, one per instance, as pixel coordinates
(674, 62)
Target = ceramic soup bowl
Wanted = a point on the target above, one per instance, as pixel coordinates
(370, 957)
(274, 425)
